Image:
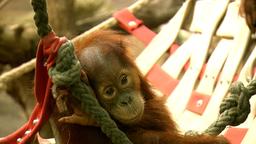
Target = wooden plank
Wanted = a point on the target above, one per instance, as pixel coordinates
(174, 64)
(188, 119)
(214, 66)
(228, 27)
(180, 96)
(240, 44)
(163, 40)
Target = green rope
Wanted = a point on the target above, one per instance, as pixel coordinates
(66, 72)
(41, 17)
(234, 109)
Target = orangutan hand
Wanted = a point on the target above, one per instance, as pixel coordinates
(79, 117)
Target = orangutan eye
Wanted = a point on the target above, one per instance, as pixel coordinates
(109, 92)
(124, 79)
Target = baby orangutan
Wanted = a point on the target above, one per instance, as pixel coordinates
(125, 94)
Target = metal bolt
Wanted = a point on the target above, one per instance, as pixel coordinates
(19, 140)
(35, 121)
(199, 103)
(27, 132)
(132, 24)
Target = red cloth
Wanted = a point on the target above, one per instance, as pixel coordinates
(134, 26)
(46, 53)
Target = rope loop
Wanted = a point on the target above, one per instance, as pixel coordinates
(235, 108)
(67, 69)
(237, 103)
(252, 87)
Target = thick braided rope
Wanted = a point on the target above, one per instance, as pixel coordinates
(234, 109)
(41, 17)
(66, 72)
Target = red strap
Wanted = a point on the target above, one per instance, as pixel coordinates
(47, 49)
(161, 80)
(198, 102)
(235, 135)
(173, 48)
(131, 24)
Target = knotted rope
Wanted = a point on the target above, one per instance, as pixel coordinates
(234, 109)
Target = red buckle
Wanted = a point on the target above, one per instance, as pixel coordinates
(131, 24)
(235, 135)
(161, 80)
(198, 102)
